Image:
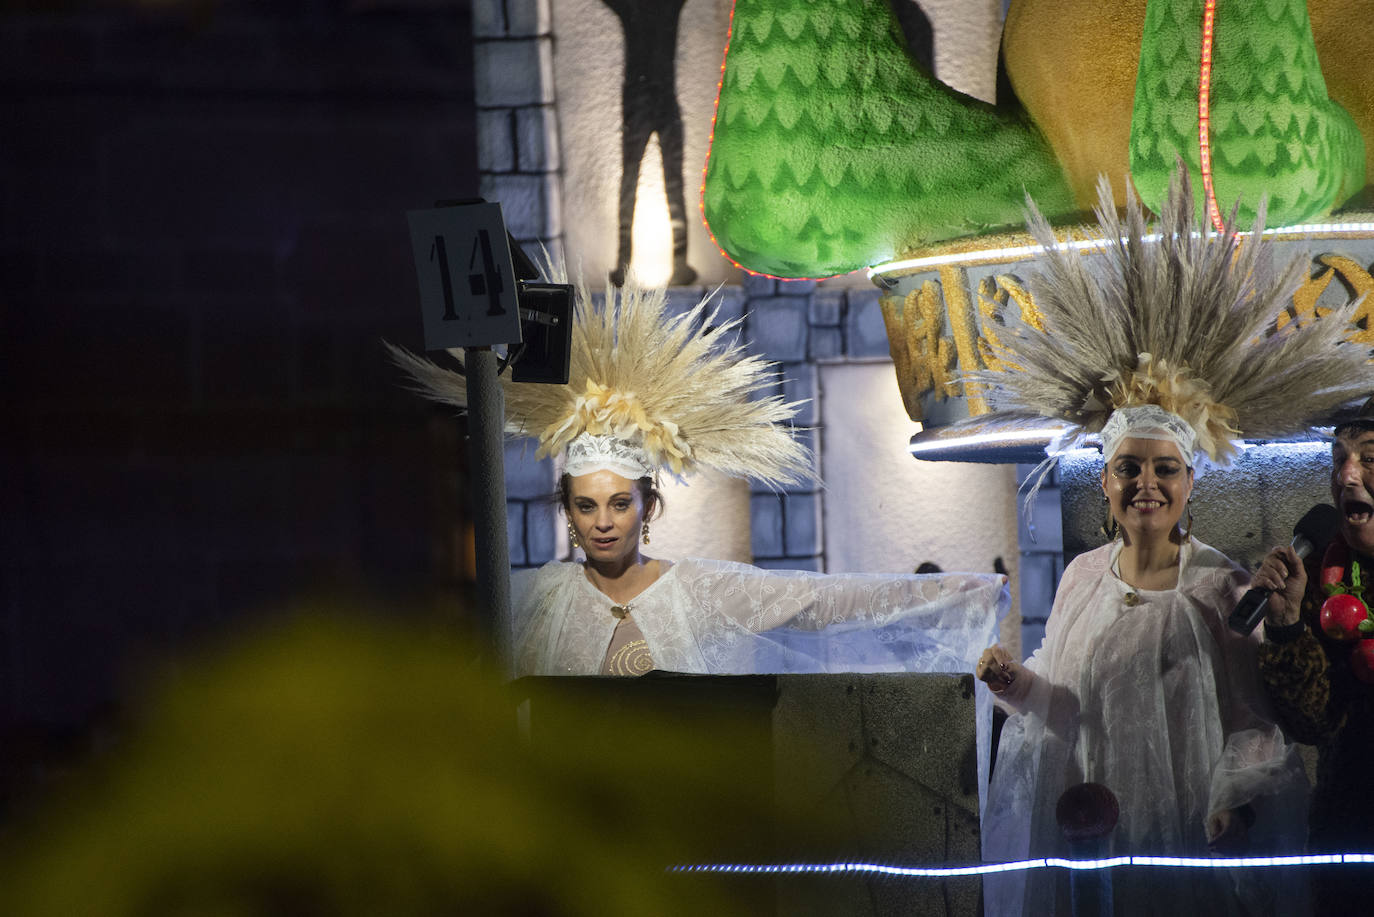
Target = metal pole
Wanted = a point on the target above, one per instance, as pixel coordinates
(486, 423)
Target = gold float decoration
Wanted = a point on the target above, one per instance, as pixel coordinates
(936, 330)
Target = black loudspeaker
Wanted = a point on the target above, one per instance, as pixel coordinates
(545, 333)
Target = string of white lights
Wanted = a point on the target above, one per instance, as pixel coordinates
(1322, 859)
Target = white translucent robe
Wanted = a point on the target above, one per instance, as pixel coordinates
(717, 617)
(1150, 694)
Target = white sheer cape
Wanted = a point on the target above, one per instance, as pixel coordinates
(717, 617)
(1152, 695)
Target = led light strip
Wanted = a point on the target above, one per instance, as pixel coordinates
(1048, 433)
(983, 439)
(1204, 96)
(1013, 253)
(983, 869)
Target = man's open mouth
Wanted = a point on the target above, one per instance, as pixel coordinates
(1357, 512)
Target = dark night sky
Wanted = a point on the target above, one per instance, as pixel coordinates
(202, 244)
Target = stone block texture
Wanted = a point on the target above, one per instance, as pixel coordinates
(865, 333)
(801, 383)
(514, 72)
(514, 89)
(778, 328)
(529, 204)
(536, 139)
(510, 18)
(766, 530)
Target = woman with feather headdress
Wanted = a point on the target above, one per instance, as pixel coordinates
(1167, 348)
(653, 392)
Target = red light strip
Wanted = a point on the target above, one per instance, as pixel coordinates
(710, 141)
(1204, 94)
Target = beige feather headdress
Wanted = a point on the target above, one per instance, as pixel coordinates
(677, 390)
(1185, 319)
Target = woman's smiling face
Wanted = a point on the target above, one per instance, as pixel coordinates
(1147, 484)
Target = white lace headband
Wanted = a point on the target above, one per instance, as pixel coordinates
(588, 453)
(1148, 421)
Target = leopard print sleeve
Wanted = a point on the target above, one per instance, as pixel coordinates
(1297, 675)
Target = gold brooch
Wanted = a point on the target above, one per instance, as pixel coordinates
(620, 611)
(1131, 600)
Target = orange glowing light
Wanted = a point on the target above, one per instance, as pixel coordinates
(1204, 94)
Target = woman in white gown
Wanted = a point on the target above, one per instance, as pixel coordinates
(1163, 340)
(1140, 686)
(652, 392)
(622, 613)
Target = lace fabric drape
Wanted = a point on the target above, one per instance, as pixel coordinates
(717, 617)
(1152, 695)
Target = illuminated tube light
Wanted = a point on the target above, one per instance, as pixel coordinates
(982, 439)
(1043, 436)
(1327, 859)
(1321, 229)
(1204, 92)
(993, 254)
(1018, 252)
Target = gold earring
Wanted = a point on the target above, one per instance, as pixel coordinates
(1109, 527)
(646, 531)
(572, 535)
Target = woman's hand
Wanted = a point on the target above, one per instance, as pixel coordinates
(1283, 574)
(998, 669)
(1228, 831)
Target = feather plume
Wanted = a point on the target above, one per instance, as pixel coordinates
(679, 385)
(1185, 319)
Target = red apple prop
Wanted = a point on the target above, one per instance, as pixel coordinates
(1362, 661)
(1334, 562)
(1341, 616)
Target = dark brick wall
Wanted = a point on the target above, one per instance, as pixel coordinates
(202, 242)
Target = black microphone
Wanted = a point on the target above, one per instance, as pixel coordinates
(1314, 529)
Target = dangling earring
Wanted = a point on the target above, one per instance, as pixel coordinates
(1109, 527)
(646, 531)
(1188, 528)
(572, 535)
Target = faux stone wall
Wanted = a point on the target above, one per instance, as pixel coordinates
(517, 130)
(1041, 538)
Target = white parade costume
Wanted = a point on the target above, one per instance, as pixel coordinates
(719, 617)
(1150, 694)
(1173, 334)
